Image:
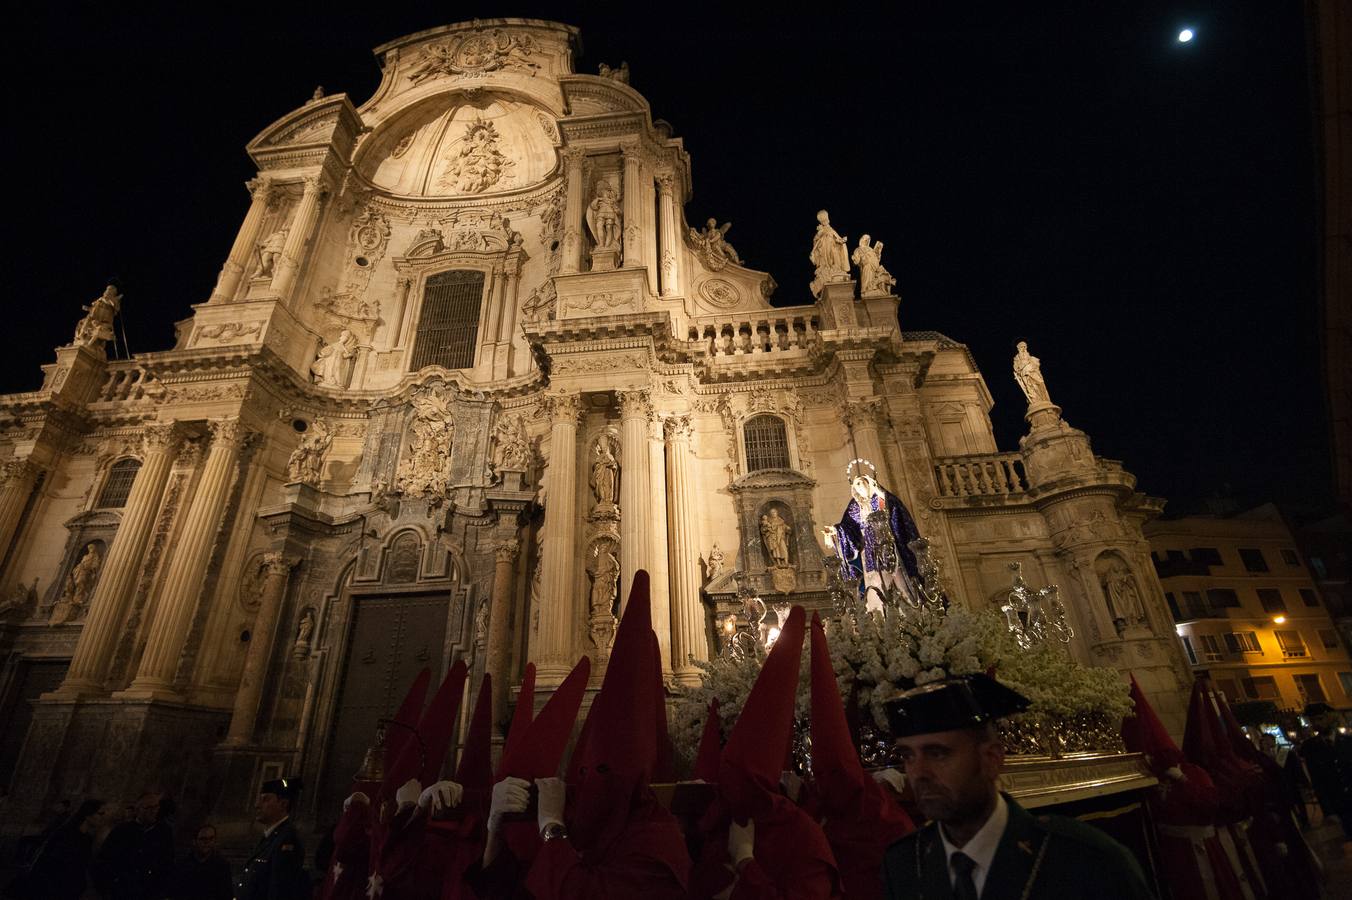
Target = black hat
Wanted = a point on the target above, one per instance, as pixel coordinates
(951, 704)
(285, 788)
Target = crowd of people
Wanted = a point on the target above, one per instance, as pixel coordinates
(741, 826)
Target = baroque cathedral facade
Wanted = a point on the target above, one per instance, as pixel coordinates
(467, 368)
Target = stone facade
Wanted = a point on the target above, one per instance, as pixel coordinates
(467, 368)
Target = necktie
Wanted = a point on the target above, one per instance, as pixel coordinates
(964, 888)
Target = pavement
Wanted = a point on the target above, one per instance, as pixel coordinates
(1334, 850)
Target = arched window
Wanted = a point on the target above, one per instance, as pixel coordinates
(449, 323)
(767, 443)
(117, 486)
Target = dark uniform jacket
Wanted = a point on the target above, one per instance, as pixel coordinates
(276, 868)
(1038, 857)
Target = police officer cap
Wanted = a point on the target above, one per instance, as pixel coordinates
(951, 704)
(285, 788)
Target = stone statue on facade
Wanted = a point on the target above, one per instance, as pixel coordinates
(15, 606)
(478, 164)
(1028, 373)
(425, 471)
(605, 474)
(300, 648)
(874, 280)
(269, 252)
(605, 581)
(1124, 599)
(510, 448)
(97, 324)
(333, 364)
(306, 464)
(716, 562)
(775, 535)
(830, 256)
(621, 74)
(604, 218)
(712, 245)
(79, 587)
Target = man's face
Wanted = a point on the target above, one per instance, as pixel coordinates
(271, 809)
(147, 809)
(205, 842)
(951, 772)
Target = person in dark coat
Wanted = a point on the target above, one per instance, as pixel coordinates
(1328, 758)
(136, 860)
(60, 871)
(979, 842)
(276, 868)
(203, 874)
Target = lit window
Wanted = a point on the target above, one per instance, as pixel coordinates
(1291, 643)
(117, 486)
(767, 443)
(1261, 687)
(1211, 647)
(1243, 642)
(449, 324)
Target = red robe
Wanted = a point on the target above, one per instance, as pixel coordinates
(646, 859)
(792, 859)
(346, 877)
(859, 835)
(1192, 859)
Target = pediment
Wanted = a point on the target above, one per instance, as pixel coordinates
(772, 478)
(592, 95)
(319, 123)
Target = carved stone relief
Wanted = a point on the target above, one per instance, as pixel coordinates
(477, 54)
(425, 470)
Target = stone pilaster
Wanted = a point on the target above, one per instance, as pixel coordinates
(302, 227)
(245, 715)
(633, 206)
(558, 575)
(668, 265)
(241, 252)
(108, 605)
(862, 417)
(18, 476)
(500, 621)
(635, 489)
(186, 572)
(574, 204)
(657, 555)
(688, 641)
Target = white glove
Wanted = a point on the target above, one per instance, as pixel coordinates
(357, 797)
(510, 795)
(551, 801)
(792, 784)
(892, 778)
(442, 795)
(408, 792)
(1175, 773)
(741, 841)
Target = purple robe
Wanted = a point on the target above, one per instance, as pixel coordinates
(856, 543)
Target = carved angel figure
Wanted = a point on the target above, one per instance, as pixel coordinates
(306, 464)
(97, 325)
(510, 447)
(79, 587)
(873, 278)
(716, 561)
(269, 251)
(829, 255)
(621, 74)
(603, 216)
(333, 365)
(1028, 373)
(712, 245)
(478, 164)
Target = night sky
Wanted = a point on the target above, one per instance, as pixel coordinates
(1143, 212)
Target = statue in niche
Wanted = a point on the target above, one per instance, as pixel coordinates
(306, 464)
(269, 252)
(605, 572)
(481, 623)
(79, 587)
(775, 535)
(603, 216)
(716, 562)
(425, 472)
(510, 449)
(830, 256)
(1028, 373)
(713, 247)
(605, 473)
(97, 324)
(304, 629)
(333, 364)
(17, 603)
(873, 278)
(479, 164)
(1124, 599)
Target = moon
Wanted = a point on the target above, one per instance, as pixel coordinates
(1185, 35)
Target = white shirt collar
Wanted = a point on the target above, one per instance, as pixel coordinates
(267, 832)
(981, 848)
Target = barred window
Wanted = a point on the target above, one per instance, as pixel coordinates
(449, 323)
(117, 486)
(767, 443)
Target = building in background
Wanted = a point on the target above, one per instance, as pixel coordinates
(1248, 609)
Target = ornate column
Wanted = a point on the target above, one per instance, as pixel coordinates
(19, 476)
(633, 206)
(557, 575)
(862, 417)
(245, 714)
(668, 264)
(573, 209)
(302, 224)
(657, 531)
(499, 621)
(186, 572)
(108, 605)
(402, 286)
(246, 241)
(688, 639)
(635, 489)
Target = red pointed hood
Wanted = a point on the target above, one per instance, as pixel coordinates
(664, 767)
(476, 762)
(538, 754)
(1240, 743)
(835, 761)
(710, 751)
(423, 758)
(1143, 732)
(522, 717)
(754, 756)
(405, 721)
(1199, 740)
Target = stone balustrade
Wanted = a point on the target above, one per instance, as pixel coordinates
(789, 330)
(126, 380)
(987, 475)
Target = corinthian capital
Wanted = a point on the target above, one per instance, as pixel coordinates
(866, 413)
(228, 433)
(17, 468)
(161, 437)
(562, 407)
(278, 564)
(505, 553)
(636, 404)
(678, 428)
(573, 156)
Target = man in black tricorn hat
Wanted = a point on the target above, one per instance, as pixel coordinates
(276, 868)
(979, 843)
